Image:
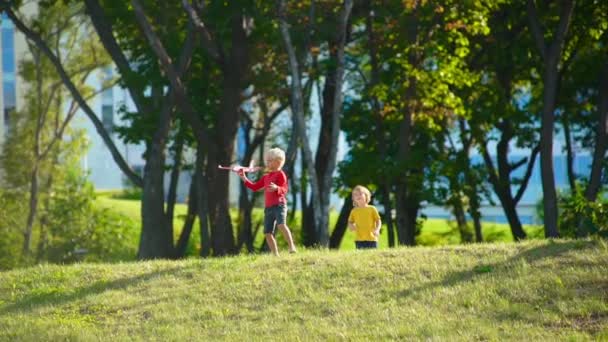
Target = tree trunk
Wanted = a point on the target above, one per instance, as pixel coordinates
(570, 156)
(477, 224)
(336, 113)
(338, 233)
(461, 220)
(551, 54)
(501, 183)
(388, 214)
(173, 182)
(202, 201)
(601, 138)
(406, 223)
(155, 241)
(546, 152)
(31, 215)
(380, 130)
(184, 236)
(405, 232)
(297, 107)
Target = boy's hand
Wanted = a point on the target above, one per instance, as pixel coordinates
(272, 187)
(377, 232)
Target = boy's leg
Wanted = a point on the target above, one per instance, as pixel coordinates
(272, 244)
(269, 224)
(287, 235)
(281, 216)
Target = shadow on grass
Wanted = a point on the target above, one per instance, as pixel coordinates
(32, 302)
(531, 255)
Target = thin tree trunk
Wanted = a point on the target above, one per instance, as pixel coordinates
(477, 224)
(551, 54)
(327, 177)
(33, 206)
(569, 155)
(388, 214)
(297, 107)
(601, 138)
(173, 183)
(34, 175)
(202, 200)
(184, 237)
(501, 184)
(338, 233)
(376, 105)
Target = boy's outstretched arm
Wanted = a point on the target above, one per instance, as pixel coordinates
(249, 184)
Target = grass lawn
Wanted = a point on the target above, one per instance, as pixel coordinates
(531, 291)
(435, 232)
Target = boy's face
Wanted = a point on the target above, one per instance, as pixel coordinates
(273, 164)
(359, 199)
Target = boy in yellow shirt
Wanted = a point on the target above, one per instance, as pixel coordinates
(364, 219)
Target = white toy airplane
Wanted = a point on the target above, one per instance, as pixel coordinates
(239, 168)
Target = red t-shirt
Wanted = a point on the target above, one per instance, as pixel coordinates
(271, 198)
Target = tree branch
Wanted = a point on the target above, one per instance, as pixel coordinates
(524, 184)
(564, 22)
(35, 37)
(104, 30)
(173, 76)
(206, 36)
(536, 29)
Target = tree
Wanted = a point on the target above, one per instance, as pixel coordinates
(43, 123)
(320, 171)
(550, 47)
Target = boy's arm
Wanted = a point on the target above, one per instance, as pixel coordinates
(351, 222)
(249, 184)
(378, 226)
(281, 184)
(377, 223)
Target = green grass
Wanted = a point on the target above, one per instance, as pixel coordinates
(532, 291)
(435, 232)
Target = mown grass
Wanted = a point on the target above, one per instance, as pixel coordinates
(532, 291)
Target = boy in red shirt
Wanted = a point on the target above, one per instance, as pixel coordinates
(274, 184)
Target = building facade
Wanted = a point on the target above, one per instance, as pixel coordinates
(97, 162)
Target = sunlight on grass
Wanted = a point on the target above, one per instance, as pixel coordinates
(535, 290)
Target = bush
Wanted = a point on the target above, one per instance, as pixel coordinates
(578, 217)
(70, 227)
(80, 231)
(129, 193)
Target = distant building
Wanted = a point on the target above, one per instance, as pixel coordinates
(98, 161)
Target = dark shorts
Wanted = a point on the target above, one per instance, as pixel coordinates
(366, 244)
(275, 214)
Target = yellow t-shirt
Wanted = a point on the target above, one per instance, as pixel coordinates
(364, 219)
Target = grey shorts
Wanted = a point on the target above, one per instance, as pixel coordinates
(275, 214)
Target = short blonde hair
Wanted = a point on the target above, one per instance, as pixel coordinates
(363, 190)
(275, 154)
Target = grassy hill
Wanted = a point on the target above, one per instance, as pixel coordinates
(537, 290)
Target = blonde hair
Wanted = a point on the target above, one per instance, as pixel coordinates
(275, 154)
(363, 190)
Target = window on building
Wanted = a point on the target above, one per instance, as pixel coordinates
(107, 117)
(9, 94)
